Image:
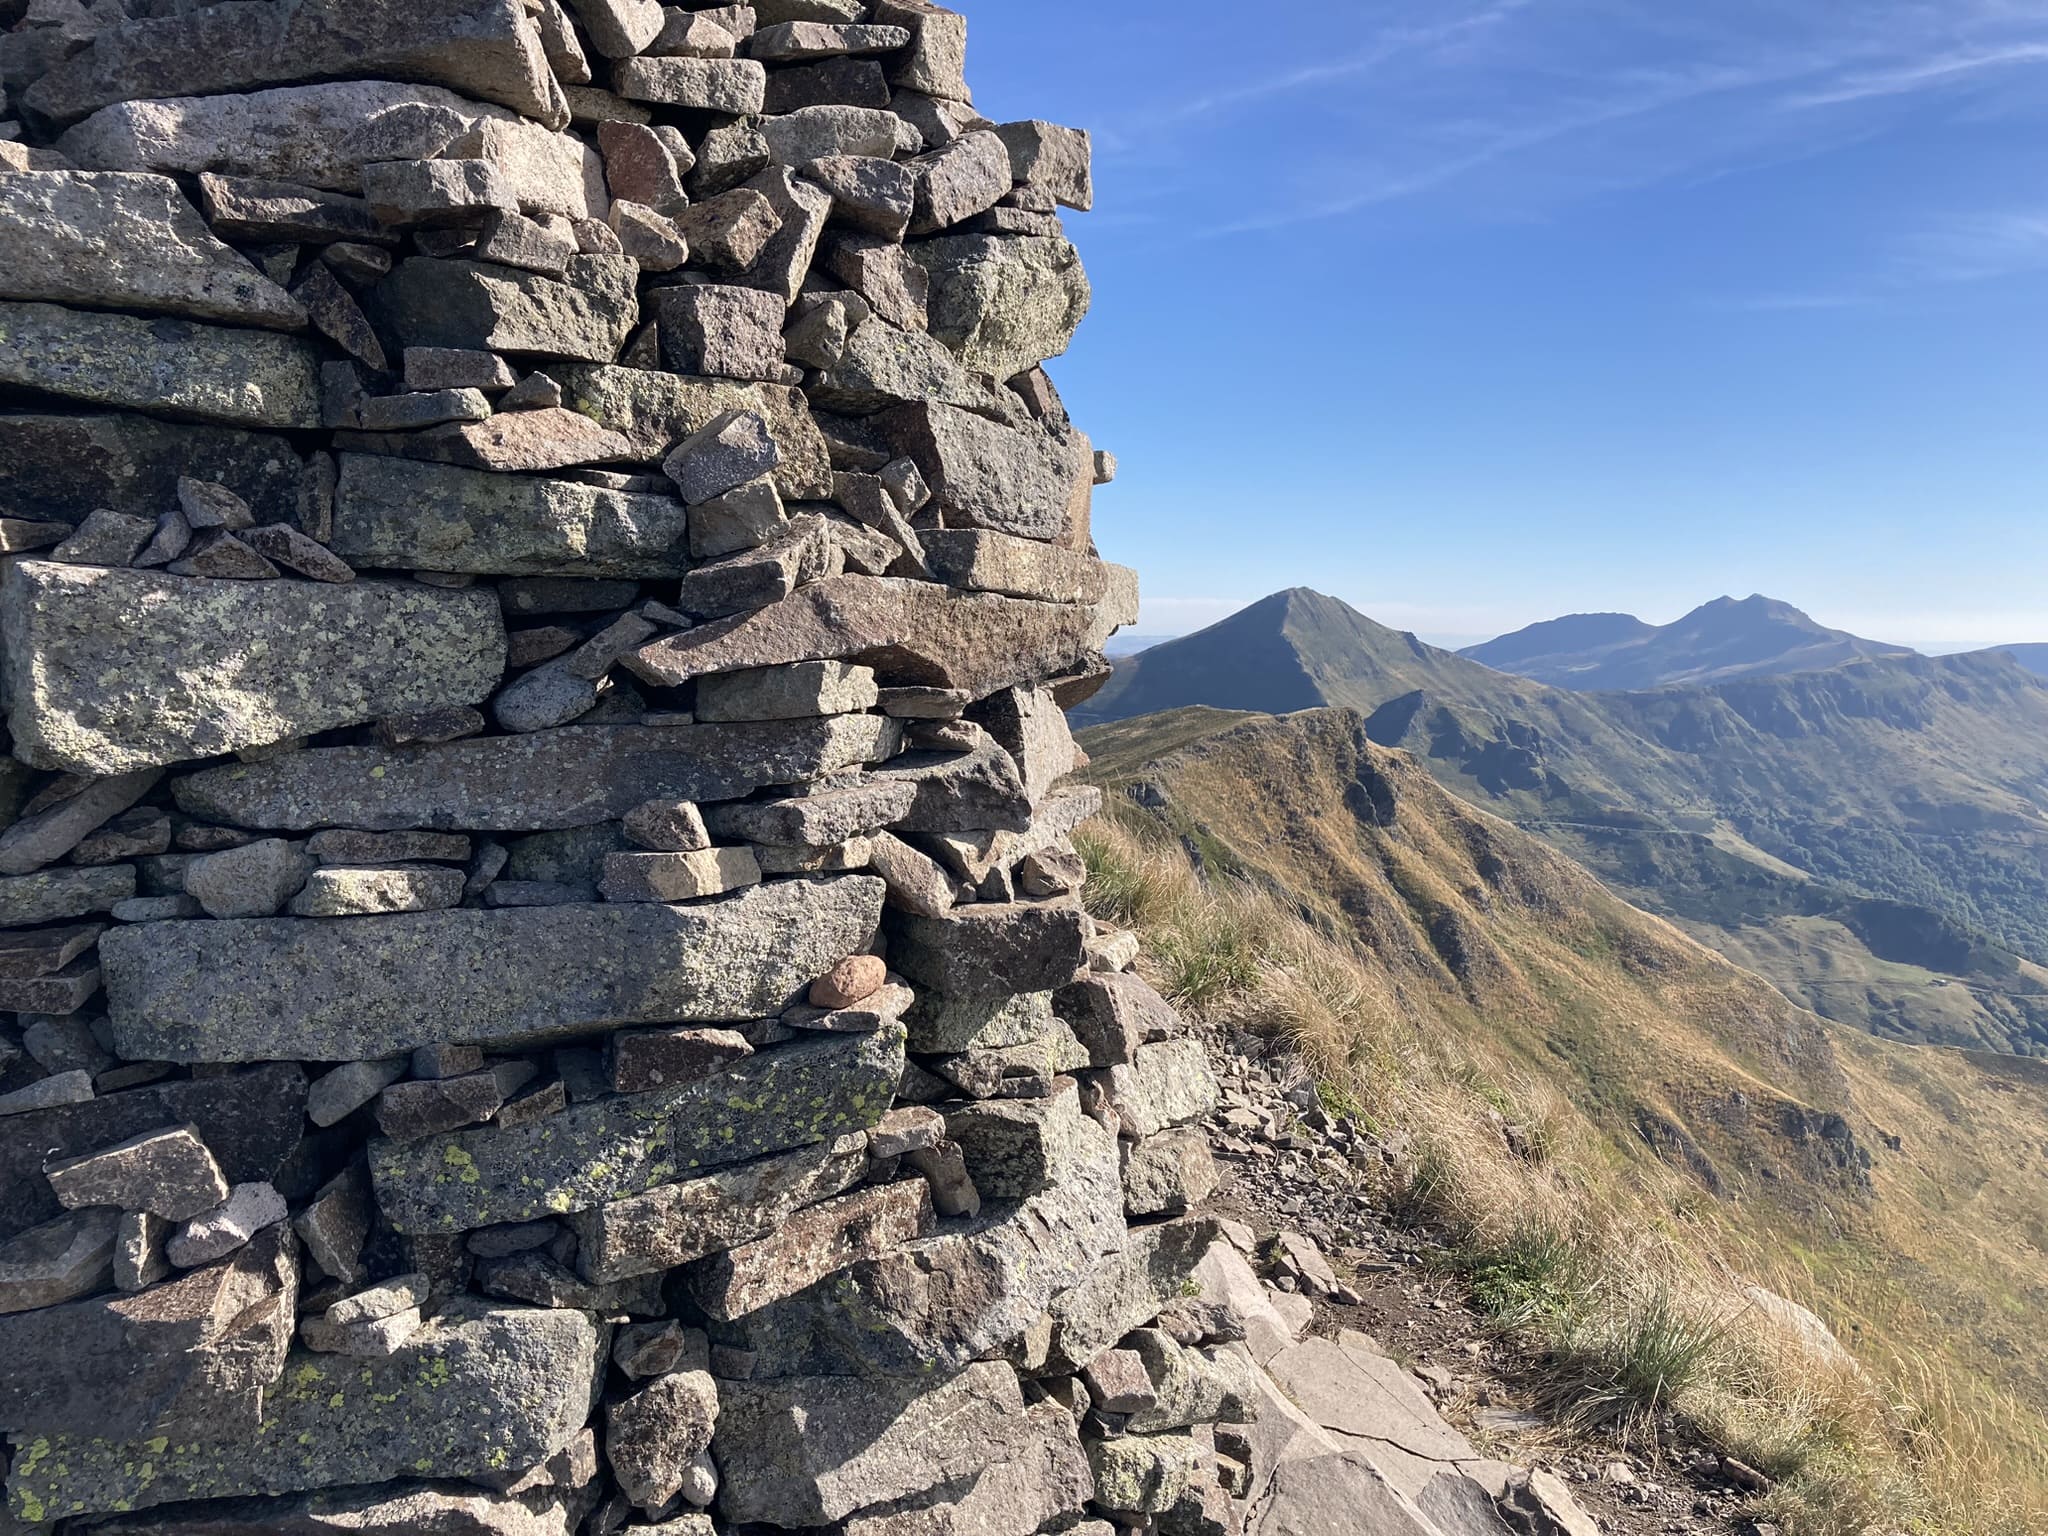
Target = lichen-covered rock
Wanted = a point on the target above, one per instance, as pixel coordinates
(651, 1437)
(233, 377)
(578, 776)
(107, 240)
(108, 670)
(483, 48)
(478, 1389)
(400, 1509)
(402, 514)
(1004, 303)
(371, 987)
(603, 1151)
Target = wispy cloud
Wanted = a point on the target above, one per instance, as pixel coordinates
(1931, 74)
(1527, 105)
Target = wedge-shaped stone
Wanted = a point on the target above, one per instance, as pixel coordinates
(479, 1389)
(1004, 303)
(476, 306)
(168, 1173)
(483, 48)
(65, 467)
(274, 988)
(986, 475)
(813, 1450)
(811, 1245)
(396, 514)
(107, 240)
(676, 1223)
(250, 1121)
(173, 367)
(60, 1260)
(1041, 1484)
(935, 1304)
(107, 671)
(656, 411)
(170, 1357)
(601, 1152)
(910, 632)
(546, 781)
(323, 135)
(822, 820)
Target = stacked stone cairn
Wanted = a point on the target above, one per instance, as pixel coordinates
(547, 982)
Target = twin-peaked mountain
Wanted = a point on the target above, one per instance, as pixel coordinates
(1873, 836)
(1721, 641)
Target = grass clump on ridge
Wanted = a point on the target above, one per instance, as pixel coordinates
(1641, 1309)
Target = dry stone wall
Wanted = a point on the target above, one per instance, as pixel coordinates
(546, 985)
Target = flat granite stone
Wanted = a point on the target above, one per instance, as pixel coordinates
(481, 1388)
(577, 776)
(607, 1150)
(54, 894)
(121, 240)
(675, 1223)
(403, 514)
(321, 136)
(398, 1509)
(909, 632)
(238, 378)
(107, 671)
(275, 988)
(483, 48)
(587, 313)
(251, 1121)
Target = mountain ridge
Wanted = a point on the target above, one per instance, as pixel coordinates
(1719, 641)
(1739, 807)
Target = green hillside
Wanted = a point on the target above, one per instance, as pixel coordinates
(1701, 1131)
(1920, 782)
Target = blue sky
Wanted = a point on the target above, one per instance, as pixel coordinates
(1474, 312)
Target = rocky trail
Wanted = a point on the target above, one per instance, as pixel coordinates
(1396, 1362)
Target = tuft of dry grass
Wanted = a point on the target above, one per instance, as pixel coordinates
(1643, 1304)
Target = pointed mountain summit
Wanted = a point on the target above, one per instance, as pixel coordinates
(1297, 649)
(1723, 640)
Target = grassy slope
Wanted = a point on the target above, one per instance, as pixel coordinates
(1896, 1188)
(1922, 781)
